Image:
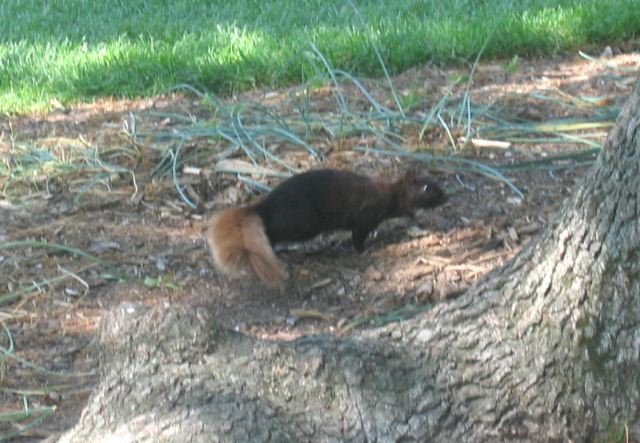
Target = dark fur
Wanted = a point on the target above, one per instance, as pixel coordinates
(324, 200)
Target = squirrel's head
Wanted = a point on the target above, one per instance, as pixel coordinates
(421, 192)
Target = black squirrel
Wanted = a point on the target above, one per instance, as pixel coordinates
(306, 205)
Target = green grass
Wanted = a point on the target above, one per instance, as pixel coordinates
(74, 50)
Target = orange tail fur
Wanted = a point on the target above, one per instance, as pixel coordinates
(239, 245)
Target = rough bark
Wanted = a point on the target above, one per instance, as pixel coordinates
(546, 348)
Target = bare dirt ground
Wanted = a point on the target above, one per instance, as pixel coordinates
(151, 241)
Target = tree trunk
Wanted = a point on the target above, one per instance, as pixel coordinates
(546, 348)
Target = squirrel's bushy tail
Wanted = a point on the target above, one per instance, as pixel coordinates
(239, 245)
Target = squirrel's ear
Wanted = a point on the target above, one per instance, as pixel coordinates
(410, 175)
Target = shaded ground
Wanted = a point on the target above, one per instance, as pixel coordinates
(150, 241)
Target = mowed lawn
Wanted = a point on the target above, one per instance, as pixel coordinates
(76, 50)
